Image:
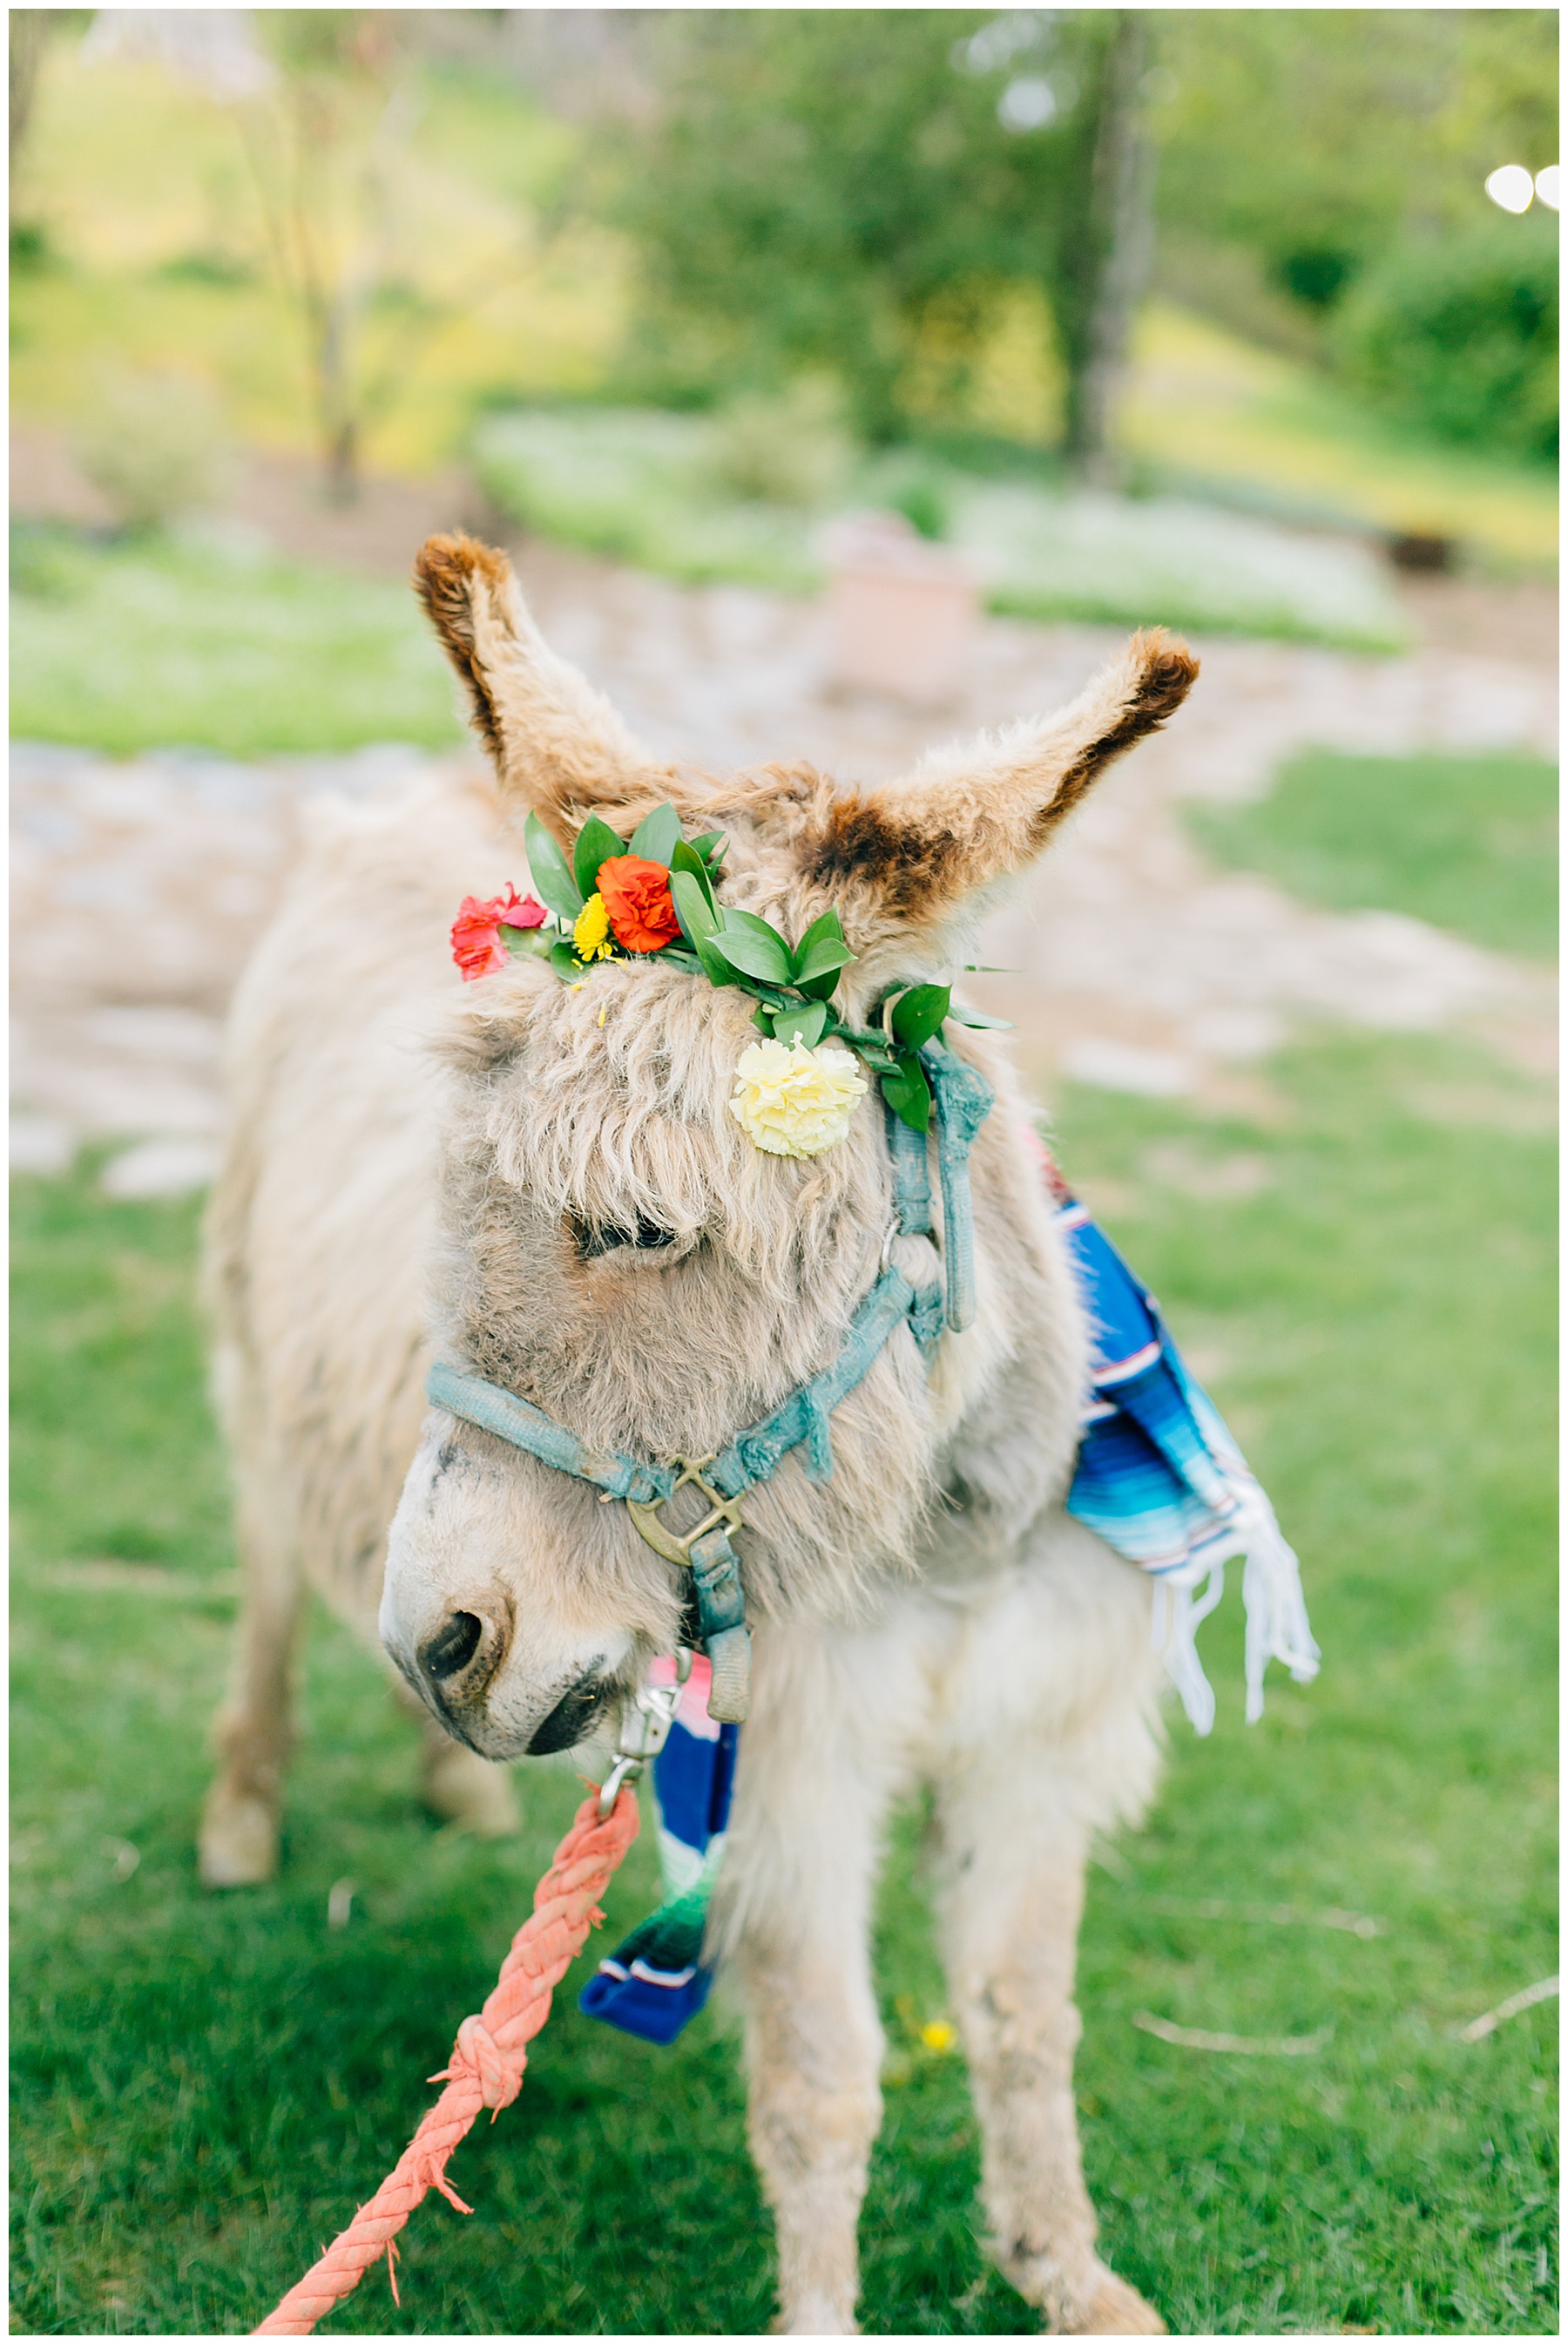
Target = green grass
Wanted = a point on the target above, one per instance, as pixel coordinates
(1468, 842)
(205, 2087)
(205, 642)
(648, 488)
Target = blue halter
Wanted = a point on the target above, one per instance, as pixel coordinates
(963, 1100)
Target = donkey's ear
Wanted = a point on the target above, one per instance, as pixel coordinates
(558, 748)
(907, 853)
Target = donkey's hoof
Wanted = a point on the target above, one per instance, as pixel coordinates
(470, 1792)
(238, 1847)
(1115, 2310)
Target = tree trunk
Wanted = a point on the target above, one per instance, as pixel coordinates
(1106, 251)
(336, 401)
(29, 31)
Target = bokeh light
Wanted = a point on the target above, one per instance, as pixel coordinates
(1511, 188)
(1027, 104)
(1546, 185)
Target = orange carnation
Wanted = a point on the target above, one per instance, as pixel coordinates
(637, 899)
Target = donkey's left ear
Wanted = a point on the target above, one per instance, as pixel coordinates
(558, 748)
(907, 853)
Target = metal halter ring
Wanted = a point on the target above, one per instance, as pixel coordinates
(677, 1547)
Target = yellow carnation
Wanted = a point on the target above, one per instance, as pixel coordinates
(794, 1101)
(590, 931)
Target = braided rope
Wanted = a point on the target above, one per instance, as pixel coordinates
(486, 2064)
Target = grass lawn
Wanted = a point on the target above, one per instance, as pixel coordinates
(1467, 842)
(652, 490)
(1206, 409)
(207, 2086)
(203, 639)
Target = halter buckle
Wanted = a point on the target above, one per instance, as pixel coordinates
(676, 1547)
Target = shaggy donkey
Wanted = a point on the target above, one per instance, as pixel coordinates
(542, 1184)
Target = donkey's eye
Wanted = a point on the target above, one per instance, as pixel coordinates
(646, 1237)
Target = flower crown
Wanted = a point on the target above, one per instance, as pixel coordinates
(656, 893)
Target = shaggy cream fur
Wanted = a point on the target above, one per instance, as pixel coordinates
(414, 1166)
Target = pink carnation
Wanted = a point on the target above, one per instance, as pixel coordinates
(476, 945)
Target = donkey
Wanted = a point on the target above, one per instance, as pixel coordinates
(540, 1184)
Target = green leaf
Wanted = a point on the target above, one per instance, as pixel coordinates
(710, 847)
(675, 957)
(802, 1024)
(686, 858)
(525, 941)
(697, 925)
(759, 951)
(827, 923)
(558, 889)
(874, 1048)
(763, 1022)
(826, 957)
(692, 908)
(714, 969)
(979, 1021)
(758, 927)
(564, 960)
(909, 1093)
(658, 835)
(595, 843)
(919, 1013)
(820, 954)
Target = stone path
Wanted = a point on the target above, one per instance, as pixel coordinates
(139, 886)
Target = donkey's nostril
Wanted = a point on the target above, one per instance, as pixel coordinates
(453, 1646)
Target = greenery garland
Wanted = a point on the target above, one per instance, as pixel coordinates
(793, 986)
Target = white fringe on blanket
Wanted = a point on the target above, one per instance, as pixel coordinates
(1277, 1625)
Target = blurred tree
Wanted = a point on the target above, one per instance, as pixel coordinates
(844, 188)
(1459, 335)
(849, 188)
(329, 139)
(324, 142)
(1316, 139)
(1101, 243)
(30, 31)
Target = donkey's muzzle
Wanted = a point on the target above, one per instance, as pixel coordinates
(574, 1717)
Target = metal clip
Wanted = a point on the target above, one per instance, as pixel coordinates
(644, 1722)
(677, 1548)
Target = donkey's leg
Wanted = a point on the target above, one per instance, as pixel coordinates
(815, 1777)
(1018, 1802)
(239, 1829)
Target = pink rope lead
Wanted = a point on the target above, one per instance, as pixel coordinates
(488, 2061)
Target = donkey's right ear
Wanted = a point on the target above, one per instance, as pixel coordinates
(559, 750)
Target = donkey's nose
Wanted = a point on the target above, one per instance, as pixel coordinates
(449, 1652)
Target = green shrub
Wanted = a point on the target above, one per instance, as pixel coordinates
(649, 489)
(1462, 337)
(154, 449)
(791, 449)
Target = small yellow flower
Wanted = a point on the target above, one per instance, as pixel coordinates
(938, 2034)
(794, 1101)
(590, 931)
